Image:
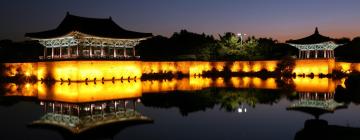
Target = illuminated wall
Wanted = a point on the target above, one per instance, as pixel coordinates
(198, 67)
(253, 66)
(185, 67)
(315, 66)
(81, 70)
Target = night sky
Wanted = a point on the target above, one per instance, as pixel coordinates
(279, 19)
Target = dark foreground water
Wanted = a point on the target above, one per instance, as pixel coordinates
(209, 112)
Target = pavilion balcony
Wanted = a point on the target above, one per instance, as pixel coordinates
(120, 57)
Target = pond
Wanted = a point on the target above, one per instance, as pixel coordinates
(188, 108)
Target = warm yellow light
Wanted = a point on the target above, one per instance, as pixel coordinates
(256, 67)
(81, 70)
(27, 74)
(27, 85)
(26, 90)
(319, 66)
(315, 84)
(90, 92)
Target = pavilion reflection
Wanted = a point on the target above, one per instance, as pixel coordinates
(316, 102)
(316, 96)
(80, 117)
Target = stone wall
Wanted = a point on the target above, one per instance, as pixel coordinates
(82, 70)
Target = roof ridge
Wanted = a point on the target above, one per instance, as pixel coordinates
(102, 27)
(77, 16)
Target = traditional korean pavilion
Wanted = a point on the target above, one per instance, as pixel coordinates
(82, 37)
(315, 46)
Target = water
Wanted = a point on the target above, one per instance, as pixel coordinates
(195, 108)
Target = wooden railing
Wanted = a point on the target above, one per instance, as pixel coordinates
(57, 57)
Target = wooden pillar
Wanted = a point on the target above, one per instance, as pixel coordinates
(45, 52)
(307, 54)
(77, 50)
(52, 52)
(53, 107)
(328, 54)
(324, 53)
(102, 51)
(90, 51)
(125, 51)
(61, 108)
(302, 54)
(316, 53)
(60, 51)
(299, 54)
(115, 105)
(69, 53)
(134, 51)
(45, 107)
(108, 51)
(333, 53)
(114, 52)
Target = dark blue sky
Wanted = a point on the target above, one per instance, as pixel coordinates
(279, 19)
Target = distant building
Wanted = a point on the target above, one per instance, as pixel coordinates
(93, 38)
(315, 46)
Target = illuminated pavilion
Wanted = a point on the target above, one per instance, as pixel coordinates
(90, 38)
(315, 46)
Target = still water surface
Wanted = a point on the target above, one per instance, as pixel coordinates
(194, 108)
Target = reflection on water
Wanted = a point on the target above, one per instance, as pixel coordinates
(86, 108)
(100, 91)
(78, 118)
(316, 84)
(317, 103)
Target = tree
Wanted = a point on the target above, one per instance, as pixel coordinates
(251, 49)
(286, 66)
(232, 48)
(181, 45)
(348, 51)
